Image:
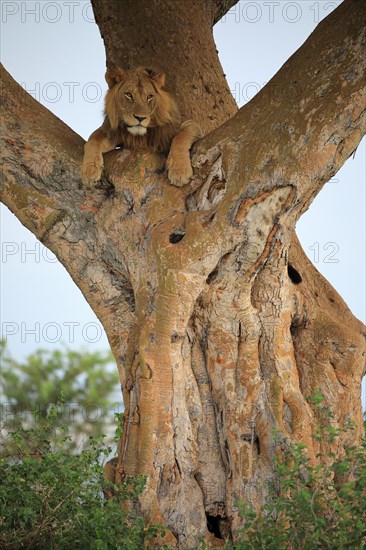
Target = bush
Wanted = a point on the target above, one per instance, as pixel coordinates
(314, 507)
(53, 499)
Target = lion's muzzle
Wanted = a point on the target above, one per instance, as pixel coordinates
(137, 130)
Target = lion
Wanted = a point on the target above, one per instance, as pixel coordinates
(140, 113)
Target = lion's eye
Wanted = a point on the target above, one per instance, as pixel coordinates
(128, 95)
(149, 97)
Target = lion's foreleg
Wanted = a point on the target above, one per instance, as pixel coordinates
(97, 144)
(179, 162)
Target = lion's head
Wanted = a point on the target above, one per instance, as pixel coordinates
(136, 100)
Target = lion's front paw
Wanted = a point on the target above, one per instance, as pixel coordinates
(179, 170)
(91, 170)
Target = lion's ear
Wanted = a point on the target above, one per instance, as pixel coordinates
(159, 79)
(113, 76)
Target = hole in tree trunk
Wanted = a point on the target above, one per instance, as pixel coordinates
(294, 275)
(213, 525)
(176, 236)
(212, 276)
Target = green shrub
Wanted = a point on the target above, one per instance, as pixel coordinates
(50, 498)
(312, 507)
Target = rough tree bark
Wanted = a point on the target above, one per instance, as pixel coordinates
(220, 325)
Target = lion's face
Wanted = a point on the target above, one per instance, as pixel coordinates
(133, 99)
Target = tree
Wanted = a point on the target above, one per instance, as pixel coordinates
(221, 327)
(81, 379)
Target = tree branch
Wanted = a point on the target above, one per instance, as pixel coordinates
(40, 157)
(307, 121)
(40, 184)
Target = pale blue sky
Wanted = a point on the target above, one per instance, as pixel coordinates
(54, 49)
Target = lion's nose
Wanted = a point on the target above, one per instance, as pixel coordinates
(140, 118)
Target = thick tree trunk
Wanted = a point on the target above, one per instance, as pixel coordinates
(175, 37)
(220, 325)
